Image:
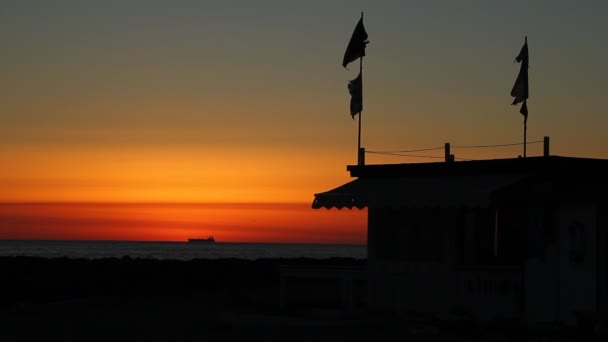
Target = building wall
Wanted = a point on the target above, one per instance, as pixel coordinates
(436, 235)
(577, 260)
(372, 228)
(412, 235)
(512, 234)
(541, 268)
(428, 260)
(561, 283)
(602, 267)
(407, 256)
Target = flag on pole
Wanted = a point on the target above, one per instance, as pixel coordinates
(356, 45)
(524, 110)
(355, 88)
(520, 88)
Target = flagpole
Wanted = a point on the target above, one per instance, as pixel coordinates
(525, 134)
(524, 104)
(359, 154)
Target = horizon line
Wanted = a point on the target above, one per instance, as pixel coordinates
(3, 202)
(183, 241)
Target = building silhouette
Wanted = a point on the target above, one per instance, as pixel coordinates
(522, 239)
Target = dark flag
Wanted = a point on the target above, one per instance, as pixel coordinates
(520, 88)
(356, 46)
(355, 88)
(524, 110)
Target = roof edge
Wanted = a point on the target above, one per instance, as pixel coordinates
(548, 164)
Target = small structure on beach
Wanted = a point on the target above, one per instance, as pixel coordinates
(522, 238)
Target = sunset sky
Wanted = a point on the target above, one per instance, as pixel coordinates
(246, 101)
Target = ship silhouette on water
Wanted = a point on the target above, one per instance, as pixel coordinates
(210, 239)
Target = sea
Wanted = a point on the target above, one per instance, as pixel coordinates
(176, 250)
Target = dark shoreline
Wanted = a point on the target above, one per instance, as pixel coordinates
(172, 300)
(38, 279)
(147, 299)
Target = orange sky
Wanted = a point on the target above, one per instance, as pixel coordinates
(247, 102)
(261, 222)
(165, 174)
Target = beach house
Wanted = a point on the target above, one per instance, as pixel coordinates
(522, 238)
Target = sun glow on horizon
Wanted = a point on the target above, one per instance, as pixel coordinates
(228, 222)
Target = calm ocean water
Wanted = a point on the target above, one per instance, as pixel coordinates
(176, 250)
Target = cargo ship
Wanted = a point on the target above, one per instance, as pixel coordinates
(207, 240)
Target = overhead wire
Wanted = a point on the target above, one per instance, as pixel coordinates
(405, 153)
